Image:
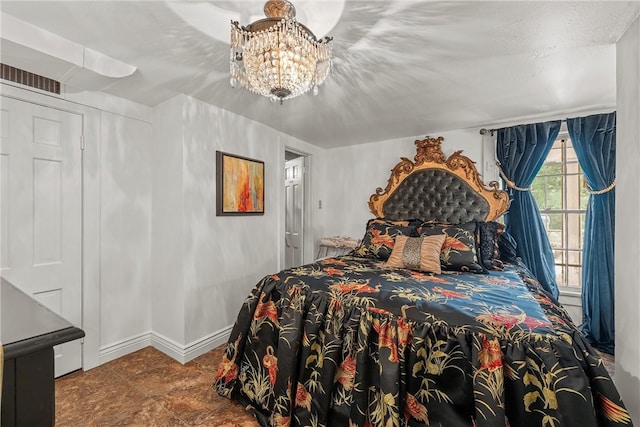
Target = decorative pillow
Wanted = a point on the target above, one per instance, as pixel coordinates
(417, 253)
(488, 234)
(380, 236)
(459, 249)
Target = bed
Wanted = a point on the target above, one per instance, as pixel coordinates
(431, 321)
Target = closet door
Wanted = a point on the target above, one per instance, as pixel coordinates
(41, 211)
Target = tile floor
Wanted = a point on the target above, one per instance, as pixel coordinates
(609, 362)
(147, 388)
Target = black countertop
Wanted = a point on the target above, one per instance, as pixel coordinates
(26, 325)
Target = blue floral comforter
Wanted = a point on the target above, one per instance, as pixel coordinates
(348, 342)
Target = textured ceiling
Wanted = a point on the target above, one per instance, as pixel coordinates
(401, 68)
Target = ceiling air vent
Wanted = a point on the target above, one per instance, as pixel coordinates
(26, 78)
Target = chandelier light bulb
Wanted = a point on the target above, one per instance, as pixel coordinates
(278, 57)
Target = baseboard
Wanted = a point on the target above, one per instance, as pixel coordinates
(201, 346)
(124, 347)
(179, 352)
(185, 353)
(168, 347)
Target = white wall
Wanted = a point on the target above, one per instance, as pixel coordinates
(204, 265)
(352, 174)
(224, 256)
(125, 243)
(167, 291)
(627, 246)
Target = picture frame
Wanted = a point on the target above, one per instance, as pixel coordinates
(239, 185)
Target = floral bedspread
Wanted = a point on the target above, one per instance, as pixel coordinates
(347, 342)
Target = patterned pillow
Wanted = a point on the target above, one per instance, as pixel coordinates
(380, 236)
(488, 234)
(459, 249)
(417, 253)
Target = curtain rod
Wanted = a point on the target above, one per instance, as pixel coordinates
(485, 131)
(555, 117)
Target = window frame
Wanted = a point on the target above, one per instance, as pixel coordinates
(567, 250)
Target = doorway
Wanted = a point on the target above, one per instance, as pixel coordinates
(294, 199)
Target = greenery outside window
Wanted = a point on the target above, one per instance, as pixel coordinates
(561, 195)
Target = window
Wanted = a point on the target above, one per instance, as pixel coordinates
(561, 195)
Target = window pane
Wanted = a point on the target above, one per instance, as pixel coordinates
(575, 226)
(572, 189)
(573, 277)
(574, 258)
(571, 153)
(554, 225)
(538, 190)
(555, 155)
(558, 256)
(551, 169)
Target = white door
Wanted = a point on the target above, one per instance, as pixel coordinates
(294, 212)
(40, 211)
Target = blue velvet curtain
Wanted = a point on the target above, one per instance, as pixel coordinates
(521, 151)
(594, 141)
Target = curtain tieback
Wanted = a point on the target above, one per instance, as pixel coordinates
(604, 190)
(510, 183)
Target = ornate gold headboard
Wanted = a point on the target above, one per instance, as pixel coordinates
(436, 188)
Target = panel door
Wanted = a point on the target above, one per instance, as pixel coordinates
(294, 212)
(41, 211)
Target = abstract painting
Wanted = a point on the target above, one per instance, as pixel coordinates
(239, 185)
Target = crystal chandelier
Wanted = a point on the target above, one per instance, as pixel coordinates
(277, 56)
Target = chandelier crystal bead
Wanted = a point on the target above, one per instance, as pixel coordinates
(278, 57)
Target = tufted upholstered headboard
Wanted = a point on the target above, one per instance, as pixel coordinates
(436, 188)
